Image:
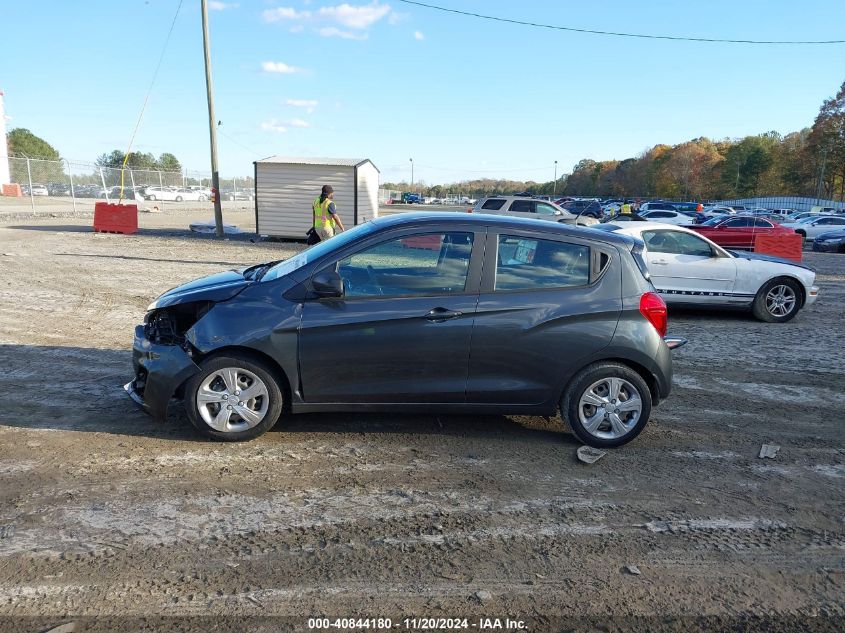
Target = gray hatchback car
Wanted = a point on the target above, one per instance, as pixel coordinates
(431, 312)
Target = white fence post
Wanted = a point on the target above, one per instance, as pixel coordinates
(70, 175)
(103, 180)
(29, 177)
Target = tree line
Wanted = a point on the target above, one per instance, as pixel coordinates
(810, 163)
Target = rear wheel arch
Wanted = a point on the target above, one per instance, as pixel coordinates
(644, 373)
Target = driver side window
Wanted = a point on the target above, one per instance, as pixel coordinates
(412, 265)
(676, 243)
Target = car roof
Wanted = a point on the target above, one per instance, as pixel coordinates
(422, 218)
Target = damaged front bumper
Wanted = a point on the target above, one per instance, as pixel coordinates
(159, 371)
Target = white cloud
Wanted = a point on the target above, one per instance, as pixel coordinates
(279, 67)
(273, 126)
(333, 31)
(418, 35)
(356, 17)
(345, 20)
(284, 13)
(216, 5)
(298, 123)
(307, 104)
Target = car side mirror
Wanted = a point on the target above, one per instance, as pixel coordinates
(327, 284)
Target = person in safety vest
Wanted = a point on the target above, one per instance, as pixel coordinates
(326, 217)
(626, 208)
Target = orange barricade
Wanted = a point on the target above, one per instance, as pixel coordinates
(12, 190)
(115, 218)
(786, 246)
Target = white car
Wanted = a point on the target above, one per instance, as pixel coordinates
(40, 190)
(811, 227)
(688, 269)
(173, 194)
(520, 207)
(667, 217)
(713, 211)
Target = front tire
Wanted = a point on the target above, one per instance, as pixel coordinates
(778, 301)
(233, 398)
(178, 198)
(606, 405)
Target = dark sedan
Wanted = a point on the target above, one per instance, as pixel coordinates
(503, 315)
(830, 242)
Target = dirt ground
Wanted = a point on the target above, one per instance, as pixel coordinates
(105, 513)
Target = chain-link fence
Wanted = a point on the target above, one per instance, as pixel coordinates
(46, 182)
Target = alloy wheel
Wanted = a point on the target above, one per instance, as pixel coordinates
(610, 408)
(780, 300)
(232, 399)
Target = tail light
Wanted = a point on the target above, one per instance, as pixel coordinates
(653, 308)
(469, 210)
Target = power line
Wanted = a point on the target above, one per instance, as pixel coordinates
(614, 33)
(236, 142)
(147, 97)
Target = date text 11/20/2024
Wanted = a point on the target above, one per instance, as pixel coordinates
(418, 624)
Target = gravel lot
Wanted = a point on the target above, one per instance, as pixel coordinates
(106, 513)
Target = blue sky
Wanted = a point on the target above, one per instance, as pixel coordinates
(380, 79)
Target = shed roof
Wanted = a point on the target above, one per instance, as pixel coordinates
(329, 162)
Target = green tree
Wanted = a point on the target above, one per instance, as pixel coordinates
(827, 145)
(25, 144)
(168, 162)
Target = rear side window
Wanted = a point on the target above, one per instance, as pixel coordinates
(738, 223)
(494, 204)
(529, 264)
(765, 224)
(522, 206)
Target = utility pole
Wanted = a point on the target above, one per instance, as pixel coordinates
(212, 127)
(412, 174)
(554, 184)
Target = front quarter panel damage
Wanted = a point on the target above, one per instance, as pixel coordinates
(260, 320)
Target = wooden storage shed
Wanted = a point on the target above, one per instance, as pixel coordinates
(285, 189)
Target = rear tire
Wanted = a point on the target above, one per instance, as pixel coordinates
(251, 388)
(178, 198)
(778, 301)
(594, 405)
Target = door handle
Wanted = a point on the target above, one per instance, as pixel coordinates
(659, 262)
(438, 315)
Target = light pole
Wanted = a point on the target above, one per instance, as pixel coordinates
(554, 184)
(412, 174)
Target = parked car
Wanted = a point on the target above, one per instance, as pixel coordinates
(529, 208)
(237, 194)
(39, 190)
(688, 269)
(800, 215)
(738, 231)
(824, 210)
(832, 242)
(590, 208)
(58, 189)
(657, 206)
(713, 211)
(667, 217)
(810, 228)
(508, 316)
(173, 194)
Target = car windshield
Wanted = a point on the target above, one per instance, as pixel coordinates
(318, 250)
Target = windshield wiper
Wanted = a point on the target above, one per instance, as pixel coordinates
(263, 268)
